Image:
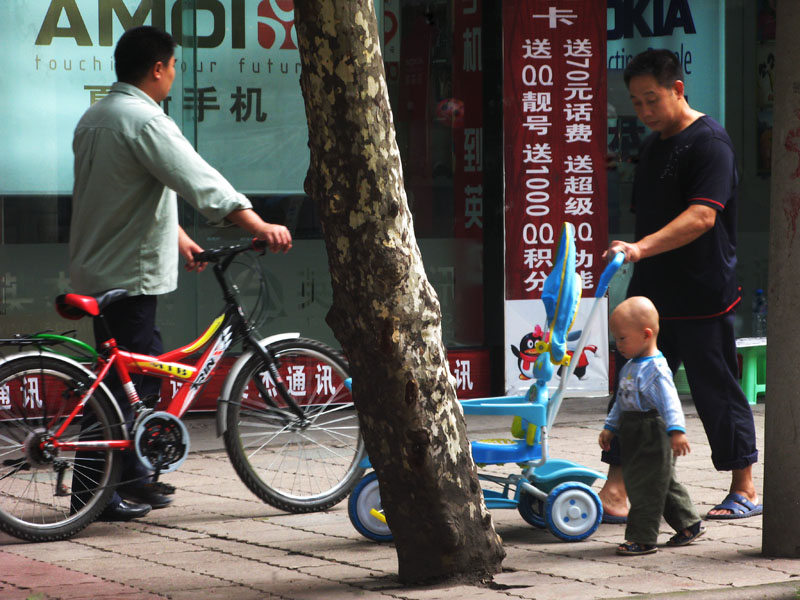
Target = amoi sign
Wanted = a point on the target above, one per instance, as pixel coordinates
(237, 93)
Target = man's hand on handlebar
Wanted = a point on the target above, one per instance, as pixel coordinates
(631, 251)
(277, 237)
(188, 248)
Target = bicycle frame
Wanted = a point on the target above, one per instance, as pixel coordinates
(166, 366)
(217, 338)
(284, 408)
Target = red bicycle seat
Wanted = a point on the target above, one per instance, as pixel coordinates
(76, 306)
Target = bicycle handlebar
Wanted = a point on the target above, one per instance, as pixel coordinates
(215, 254)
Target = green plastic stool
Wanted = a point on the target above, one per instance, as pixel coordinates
(681, 384)
(753, 352)
(754, 366)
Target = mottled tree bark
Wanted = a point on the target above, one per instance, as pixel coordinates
(781, 535)
(385, 313)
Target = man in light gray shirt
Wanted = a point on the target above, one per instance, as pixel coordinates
(130, 160)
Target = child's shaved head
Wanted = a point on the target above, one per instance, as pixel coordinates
(637, 311)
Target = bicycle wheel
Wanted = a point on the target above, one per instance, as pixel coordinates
(296, 465)
(47, 494)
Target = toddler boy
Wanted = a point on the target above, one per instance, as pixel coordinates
(648, 418)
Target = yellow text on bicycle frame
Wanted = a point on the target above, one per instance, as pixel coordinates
(175, 369)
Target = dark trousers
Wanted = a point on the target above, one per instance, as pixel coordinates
(707, 350)
(648, 468)
(131, 322)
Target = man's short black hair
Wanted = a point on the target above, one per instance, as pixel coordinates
(661, 64)
(139, 49)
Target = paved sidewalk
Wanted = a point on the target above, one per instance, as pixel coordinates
(219, 541)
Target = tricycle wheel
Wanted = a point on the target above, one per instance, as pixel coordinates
(531, 509)
(573, 511)
(366, 496)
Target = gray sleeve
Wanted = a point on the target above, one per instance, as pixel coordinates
(168, 155)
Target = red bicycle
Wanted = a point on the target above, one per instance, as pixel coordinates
(285, 411)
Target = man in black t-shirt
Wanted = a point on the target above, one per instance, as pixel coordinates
(684, 199)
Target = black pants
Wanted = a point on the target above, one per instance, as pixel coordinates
(707, 349)
(132, 322)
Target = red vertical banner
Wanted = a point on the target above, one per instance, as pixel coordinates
(414, 108)
(554, 121)
(467, 127)
(468, 121)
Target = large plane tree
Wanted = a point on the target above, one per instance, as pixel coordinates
(385, 312)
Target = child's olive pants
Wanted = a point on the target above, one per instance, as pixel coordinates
(648, 468)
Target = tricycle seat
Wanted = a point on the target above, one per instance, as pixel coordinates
(498, 452)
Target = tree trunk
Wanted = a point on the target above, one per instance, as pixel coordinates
(782, 423)
(385, 313)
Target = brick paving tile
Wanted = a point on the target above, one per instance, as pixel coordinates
(439, 593)
(219, 541)
(165, 580)
(94, 589)
(243, 549)
(564, 590)
(279, 582)
(166, 530)
(583, 570)
(24, 577)
(340, 572)
(325, 590)
(653, 582)
(232, 592)
(57, 552)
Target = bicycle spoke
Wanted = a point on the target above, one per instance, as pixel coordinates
(38, 496)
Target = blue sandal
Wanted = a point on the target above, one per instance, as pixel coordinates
(740, 508)
(613, 519)
(684, 539)
(635, 549)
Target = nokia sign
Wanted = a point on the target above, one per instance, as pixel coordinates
(655, 22)
(275, 22)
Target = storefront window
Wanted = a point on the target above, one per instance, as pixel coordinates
(434, 65)
(237, 98)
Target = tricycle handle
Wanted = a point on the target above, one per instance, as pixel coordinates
(605, 278)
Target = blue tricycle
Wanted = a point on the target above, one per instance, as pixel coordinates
(548, 493)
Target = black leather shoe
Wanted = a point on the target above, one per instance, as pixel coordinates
(124, 511)
(152, 493)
